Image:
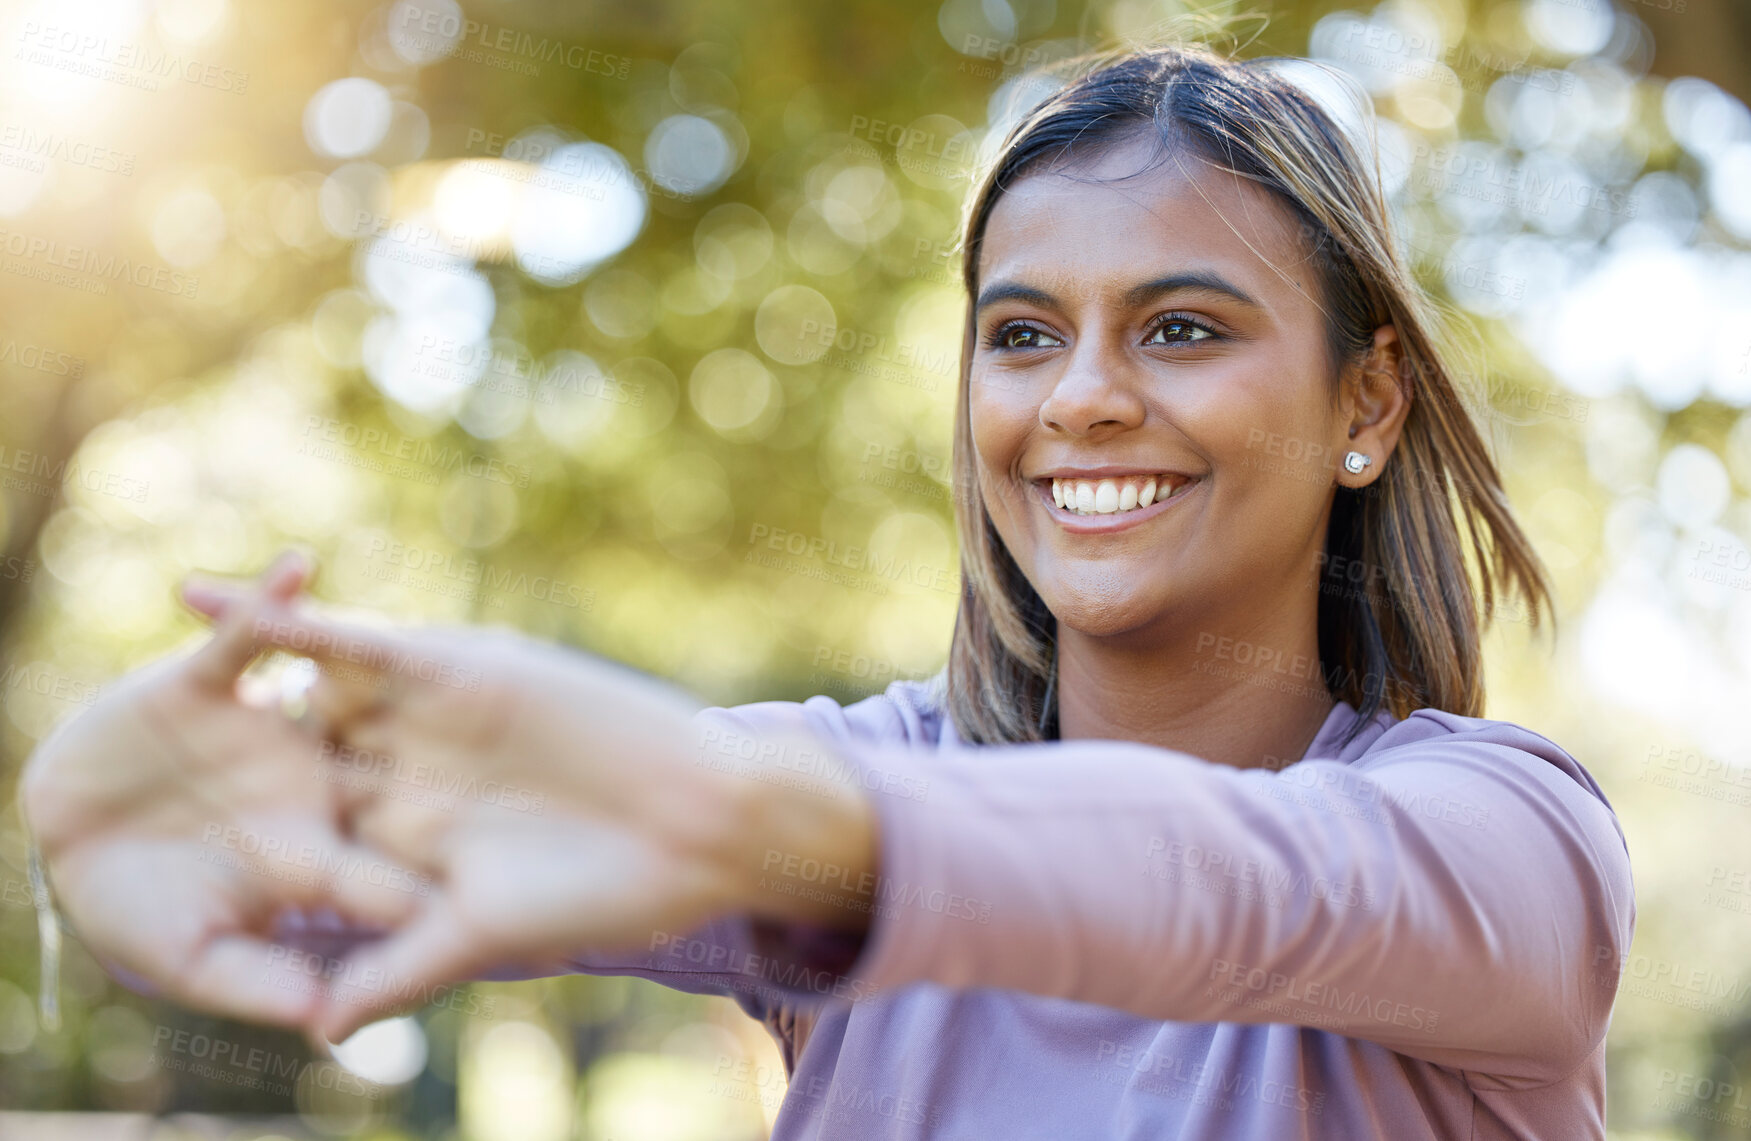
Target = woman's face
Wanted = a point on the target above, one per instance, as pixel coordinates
(1131, 326)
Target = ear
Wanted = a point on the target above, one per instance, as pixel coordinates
(1374, 403)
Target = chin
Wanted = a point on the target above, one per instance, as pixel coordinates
(1098, 611)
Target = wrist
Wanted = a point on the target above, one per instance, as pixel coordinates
(805, 849)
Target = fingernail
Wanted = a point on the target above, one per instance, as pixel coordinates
(202, 594)
(286, 561)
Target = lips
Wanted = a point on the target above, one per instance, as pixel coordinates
(1073, 518)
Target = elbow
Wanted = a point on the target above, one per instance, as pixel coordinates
(1587, 976)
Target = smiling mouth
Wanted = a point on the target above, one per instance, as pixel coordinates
(1117, 496)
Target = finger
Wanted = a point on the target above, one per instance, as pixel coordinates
(405, 971)
(243, 976)
(235, 642)
(310, 868)
(341, 696)
(355, 652)
(412, 833)
(209, 596)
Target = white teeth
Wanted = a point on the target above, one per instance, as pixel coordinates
(1110, 496)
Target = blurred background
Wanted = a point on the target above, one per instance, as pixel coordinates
(636, 326)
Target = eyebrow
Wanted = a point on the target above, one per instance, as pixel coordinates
(1195, 281)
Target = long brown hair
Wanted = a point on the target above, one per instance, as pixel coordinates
(1433, 533)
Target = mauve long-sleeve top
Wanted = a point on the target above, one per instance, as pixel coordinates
(1414, 934)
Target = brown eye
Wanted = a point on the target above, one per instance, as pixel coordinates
(1022, 337)
(1175, 331)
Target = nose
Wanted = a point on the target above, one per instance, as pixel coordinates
(1094, 394)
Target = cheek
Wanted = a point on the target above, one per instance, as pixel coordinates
(999, 424)
(1282, 447)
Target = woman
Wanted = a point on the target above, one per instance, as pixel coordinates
(1199, 834)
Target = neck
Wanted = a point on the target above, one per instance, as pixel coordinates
(1248, 694)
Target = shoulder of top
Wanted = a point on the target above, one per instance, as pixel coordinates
(1429, 724)
(1435, 728)
(908, 711)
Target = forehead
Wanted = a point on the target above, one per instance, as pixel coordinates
(1133, 213)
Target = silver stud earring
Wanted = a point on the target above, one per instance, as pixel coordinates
(1355, 462)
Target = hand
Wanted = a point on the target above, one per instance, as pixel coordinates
(168, 813)
(554, 797)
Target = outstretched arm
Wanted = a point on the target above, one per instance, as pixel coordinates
(1460, 896)
(1485, 936)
